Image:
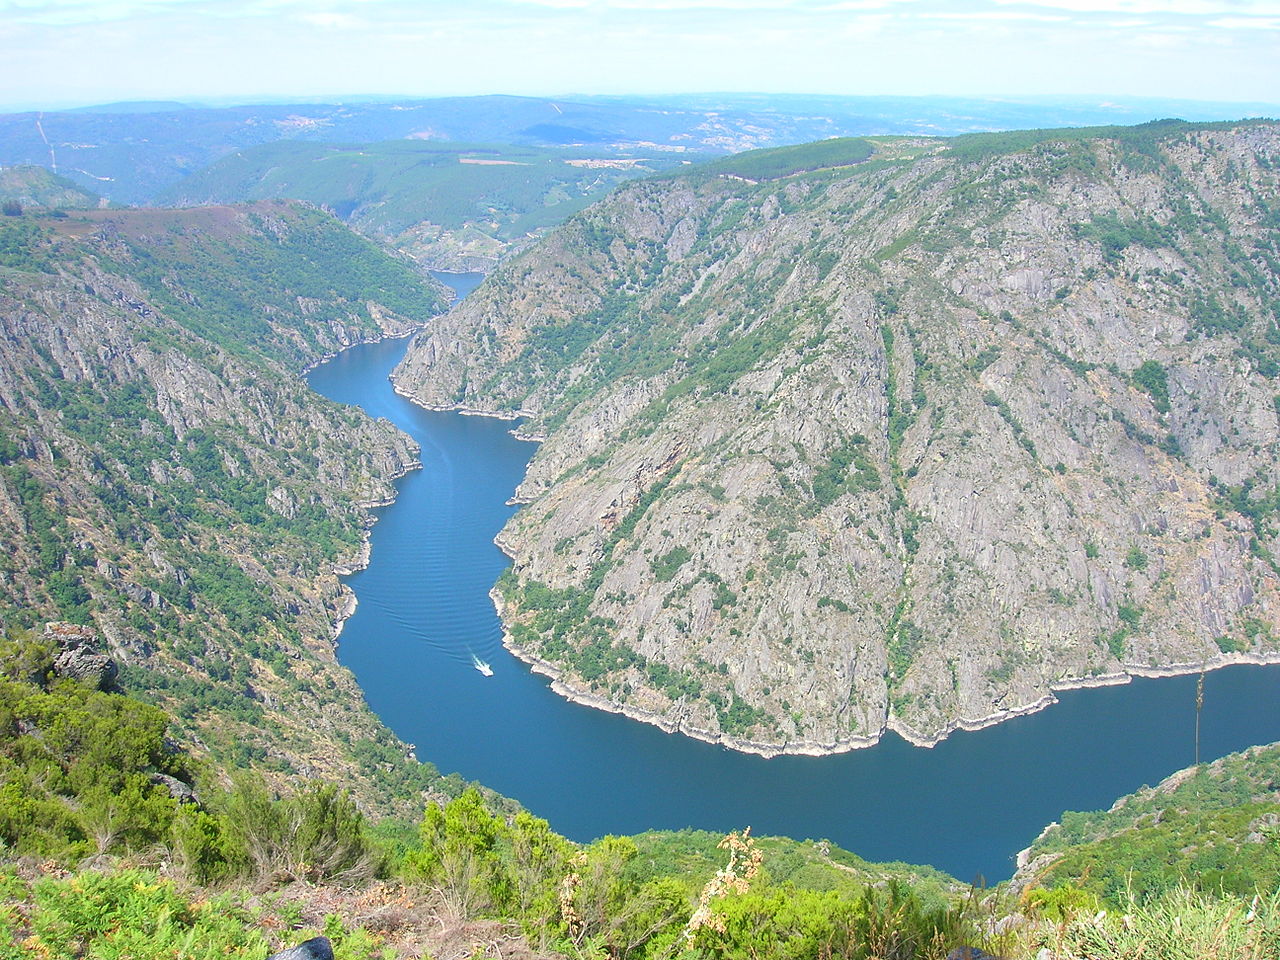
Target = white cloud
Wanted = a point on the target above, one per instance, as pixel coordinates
(992, 15)
(333, 21)
(1246, 23)
(796, 7)
(1168, 7)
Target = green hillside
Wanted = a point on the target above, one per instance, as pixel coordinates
(423, 194)
(167, 477)
(31, 186)
(1216, 826)
(778, 162)
(233, 275)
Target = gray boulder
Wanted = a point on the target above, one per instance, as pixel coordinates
(76, 657)
(317, 948)
(178, 790)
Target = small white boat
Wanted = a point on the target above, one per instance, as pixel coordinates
(481, 666)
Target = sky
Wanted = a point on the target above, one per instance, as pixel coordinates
(72, 52)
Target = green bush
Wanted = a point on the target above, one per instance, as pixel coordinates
(75, 771)
(668, 565)
(1152, 380)
(134, 915)
(1181, 923)
(315, 835)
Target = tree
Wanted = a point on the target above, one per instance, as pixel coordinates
(458, 856)
(538, 858)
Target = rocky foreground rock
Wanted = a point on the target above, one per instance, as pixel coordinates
(77, 656)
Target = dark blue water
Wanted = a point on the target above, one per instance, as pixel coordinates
(966, 806)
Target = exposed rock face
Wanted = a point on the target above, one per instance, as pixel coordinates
(176, 788)
(905, 445)
(76, 657)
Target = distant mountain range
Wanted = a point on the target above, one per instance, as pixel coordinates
(131, 153)
(451, 206)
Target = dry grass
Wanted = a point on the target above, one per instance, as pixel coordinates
(411, 923)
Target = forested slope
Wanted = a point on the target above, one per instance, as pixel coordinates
(835, 445)
(167, 477)
(1216, 826)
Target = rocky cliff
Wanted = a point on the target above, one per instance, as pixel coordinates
(167, 476)
(906, 442)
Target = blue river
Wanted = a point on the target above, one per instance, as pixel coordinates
(966, 806)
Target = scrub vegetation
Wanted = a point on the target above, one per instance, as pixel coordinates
(130, 868)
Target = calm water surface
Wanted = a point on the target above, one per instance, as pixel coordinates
(966, 806)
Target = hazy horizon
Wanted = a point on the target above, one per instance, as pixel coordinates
(216, 102)
(60, 54)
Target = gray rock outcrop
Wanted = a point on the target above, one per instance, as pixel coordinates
(908, 446)
(317, 948)
(76, 657)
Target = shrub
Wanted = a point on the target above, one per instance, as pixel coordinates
(317, 835)
(1180, 923)
(1135, 559)
(135, 915)
(1152, 380)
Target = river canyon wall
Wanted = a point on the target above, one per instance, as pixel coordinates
(907, 441)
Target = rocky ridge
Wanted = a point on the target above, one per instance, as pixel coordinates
(903, 445)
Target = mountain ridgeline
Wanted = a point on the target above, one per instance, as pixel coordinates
(30, 186)
(167, 477)
(838, 443)
(133, 152)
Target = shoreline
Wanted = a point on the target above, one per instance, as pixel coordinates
(382, 338)
(340, 570)
(892, 724)
(472, 412)
(810, 748)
